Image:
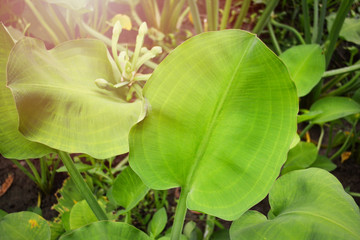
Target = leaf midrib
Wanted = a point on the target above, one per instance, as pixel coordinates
(205, 140)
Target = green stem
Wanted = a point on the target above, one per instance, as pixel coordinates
(179, 215)
(44, 174)
(243, 12)
(321, 21)
(307, 128)
(209, 228)
(265, 16)
(195, 16)
(293, 30)
(341, 70)
(344, 8)
(43, 22)
(212, 9)
(333, 82)
(321, 137)
(273, 38)
(225, 16)
(344, 146)
(305, 9)
(24, 170)
(108, 42)
(349, 85)
(316, 21)
(128, 219)
(82, 186)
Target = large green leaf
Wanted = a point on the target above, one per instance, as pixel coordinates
(221, 119)
(60, 105)
(305, 204)
(13, 143)
(306, 65)
(128, 189)
(106, 230)
(24, 226)
(332, 108)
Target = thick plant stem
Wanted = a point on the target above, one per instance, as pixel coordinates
(305, 10)
(265, 16)
(244, 10)
(225, 17)
(195, 15)
(179, 215)
(82, 186)
(344, 8)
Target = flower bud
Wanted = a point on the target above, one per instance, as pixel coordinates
(117, 29)
(102, 83)
(156, 50)
(143, 29)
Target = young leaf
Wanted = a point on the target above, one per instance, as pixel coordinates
(306, 65)
(24, 226)
(13, 144)
(222, 118)
(59, 103)
(106, 230)
(300, 157)
(128, 189)
(305, 204)
(81, 215)
(333, 108)
(157, 223)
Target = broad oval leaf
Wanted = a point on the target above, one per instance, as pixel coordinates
(13, 144)
(332, 108)
(157, 223)
(221, 119)
(59, 104)
(128, 189)
(24, 226)
(350, 30)
(306, 65)
(106, 230)
(305, 204)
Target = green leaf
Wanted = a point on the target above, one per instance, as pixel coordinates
(59, 103)
(333, 108)
(306, 65)
(300, 157)
(106, 230)
(128, 189)
(221, 119)
(157, 223)
(81, 215)
(350, 30)
(13, 144)
(324, 163)
(305, 204)
(24, 226)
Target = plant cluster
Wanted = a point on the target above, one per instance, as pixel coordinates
(189, 101)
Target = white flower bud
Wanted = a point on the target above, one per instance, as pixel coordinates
(143, 29)
(117, 29)
(156, 50)
(102, 83)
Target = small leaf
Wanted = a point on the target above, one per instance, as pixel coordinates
(24, 226)
(300, 157)
(157, 223)
(333, 108)
(324, 163)
(306, 65)
(81, 215)
(128, 189)
(350, 30)
(305, 204)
